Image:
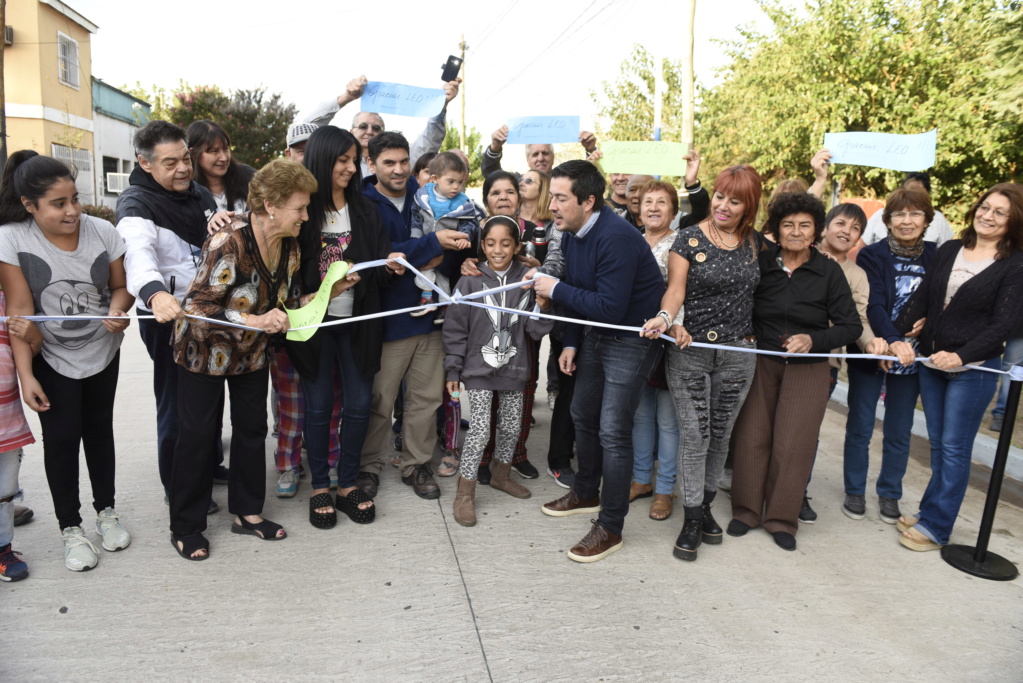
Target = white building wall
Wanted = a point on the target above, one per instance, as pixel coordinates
(113, 138)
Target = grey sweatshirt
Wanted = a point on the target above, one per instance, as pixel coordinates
(485, 349)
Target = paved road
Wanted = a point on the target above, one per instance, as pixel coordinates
(415, 597)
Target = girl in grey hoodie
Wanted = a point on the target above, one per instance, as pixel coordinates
(481, 351)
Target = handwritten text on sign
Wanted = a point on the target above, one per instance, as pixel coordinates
(651, 158)
(883, 150)
(530, 130)
(402, 100)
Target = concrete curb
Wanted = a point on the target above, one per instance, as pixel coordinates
(983, 446)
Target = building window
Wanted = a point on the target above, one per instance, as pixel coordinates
(67, 58)
(111, 166)
(80, 163)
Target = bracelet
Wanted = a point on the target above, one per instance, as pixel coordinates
(663, 315)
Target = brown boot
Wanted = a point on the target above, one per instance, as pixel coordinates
(465, 498)
(501, 480)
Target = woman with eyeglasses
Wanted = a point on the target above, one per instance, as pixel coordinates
(535, 190)
(894, 267)
(969, 304)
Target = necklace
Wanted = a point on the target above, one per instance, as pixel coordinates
(725, 245)
(276, 257)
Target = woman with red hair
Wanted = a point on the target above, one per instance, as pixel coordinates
(712, 274)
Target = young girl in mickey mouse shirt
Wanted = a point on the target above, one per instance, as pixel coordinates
(55, 261)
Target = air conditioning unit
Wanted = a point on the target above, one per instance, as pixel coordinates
(117, 182)
(8, 35)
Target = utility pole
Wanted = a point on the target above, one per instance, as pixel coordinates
(463, 47)
(688, 75)
(3, 98)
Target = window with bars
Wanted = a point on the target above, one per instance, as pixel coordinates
(67, 58)
(80, 163)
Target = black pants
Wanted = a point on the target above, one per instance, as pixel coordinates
(199, 415)
(81, 412)
(157, 338)
(559, 453)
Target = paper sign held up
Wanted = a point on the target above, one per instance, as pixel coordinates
(531, 130)
(650, 158)
(401, 100)
(883, 150)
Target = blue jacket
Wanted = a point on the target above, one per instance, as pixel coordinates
(878, 262)
(418, 251)
(610, 277)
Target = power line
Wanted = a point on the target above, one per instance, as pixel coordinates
(493, 26)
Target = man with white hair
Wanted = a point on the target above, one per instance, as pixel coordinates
(538, 157)
(367, 125)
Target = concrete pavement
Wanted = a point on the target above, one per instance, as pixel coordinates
(415, 597)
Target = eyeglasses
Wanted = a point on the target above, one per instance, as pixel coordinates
(526, 181)
(899, 215)
(376, 127)
(999, 214)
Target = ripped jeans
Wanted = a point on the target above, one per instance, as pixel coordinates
(709, 387)
(10, 464)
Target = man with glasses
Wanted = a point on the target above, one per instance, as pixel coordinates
(939, 231)
(367, 125)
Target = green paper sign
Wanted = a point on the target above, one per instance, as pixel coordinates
(649, 158)
(313, 312)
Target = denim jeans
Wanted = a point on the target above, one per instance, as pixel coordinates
(954, 405)
(611, 371)
(1013, 356)
(10, 464)
(899, 409)
(356, 392)
(655, 421)
(709, 387)
(157, 338)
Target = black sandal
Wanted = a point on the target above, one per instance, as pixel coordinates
(322, 520)
(350, 503)
(190, 544)
(265, 530)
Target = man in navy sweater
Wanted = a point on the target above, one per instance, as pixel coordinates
(610, 277)
(412, 345)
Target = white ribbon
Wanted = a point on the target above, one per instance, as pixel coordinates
(1016, 372)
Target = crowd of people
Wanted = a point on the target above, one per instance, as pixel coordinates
(213, 254)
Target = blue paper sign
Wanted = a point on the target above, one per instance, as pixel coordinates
(883, 150)
(531, 130)
(401, 100)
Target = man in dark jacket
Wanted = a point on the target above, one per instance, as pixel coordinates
(610, 276)
(162, 218)
(412, 345)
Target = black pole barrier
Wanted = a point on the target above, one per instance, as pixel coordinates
(978, 561)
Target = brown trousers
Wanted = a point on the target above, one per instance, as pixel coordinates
(775, 441)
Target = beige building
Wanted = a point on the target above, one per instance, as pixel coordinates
(48, 85)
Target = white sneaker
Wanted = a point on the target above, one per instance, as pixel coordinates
(113, 533)
(79, 552)
(287, 484)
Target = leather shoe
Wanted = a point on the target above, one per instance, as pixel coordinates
(596, 545)
(422, 482)
(569, 504)
(368, 482)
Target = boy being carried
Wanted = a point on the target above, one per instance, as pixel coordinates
(442, 204)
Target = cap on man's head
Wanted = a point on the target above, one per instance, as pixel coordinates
(300, 132)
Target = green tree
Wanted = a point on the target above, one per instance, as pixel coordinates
(256, 121)
(900, 66)
(628, 101)
(474, 150)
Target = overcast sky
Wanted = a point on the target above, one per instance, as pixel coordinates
(526, 57)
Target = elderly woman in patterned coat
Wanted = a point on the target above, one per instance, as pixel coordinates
(243, 279)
